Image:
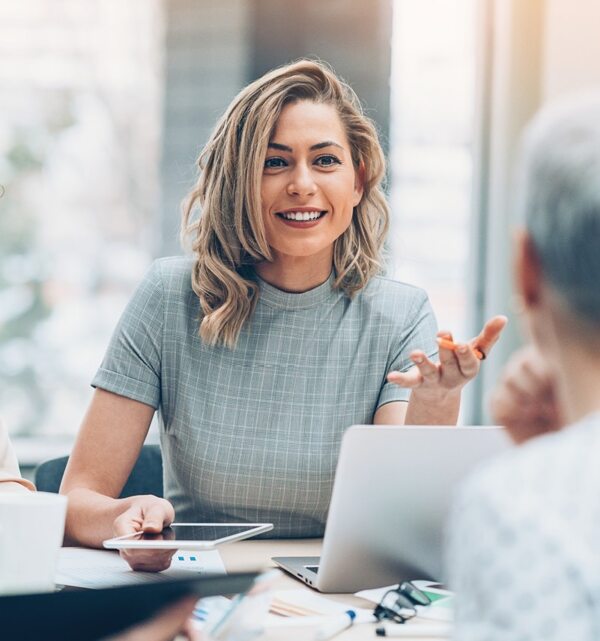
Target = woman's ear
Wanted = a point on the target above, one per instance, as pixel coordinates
(528, 269)
(359, 183)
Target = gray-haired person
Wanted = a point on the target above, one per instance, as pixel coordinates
(523, 552)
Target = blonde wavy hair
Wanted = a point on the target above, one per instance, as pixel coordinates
(228, 237)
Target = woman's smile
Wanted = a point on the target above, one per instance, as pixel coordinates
(302, 217)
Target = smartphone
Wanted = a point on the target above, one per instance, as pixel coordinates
(188, 536)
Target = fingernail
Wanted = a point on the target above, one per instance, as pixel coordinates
(462, 349)
(418, 359)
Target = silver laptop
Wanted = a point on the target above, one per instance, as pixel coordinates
(392, 492)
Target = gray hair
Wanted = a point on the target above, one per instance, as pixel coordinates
(559, 198)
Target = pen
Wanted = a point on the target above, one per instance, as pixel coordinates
(446, 343)
(425, 630)
(335, 626)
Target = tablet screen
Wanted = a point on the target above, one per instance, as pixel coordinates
(197, 532)
(189, 536)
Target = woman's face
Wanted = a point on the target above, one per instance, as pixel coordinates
(309, 183)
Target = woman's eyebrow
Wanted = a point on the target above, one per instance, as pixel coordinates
(319, 145)
(276, 145)
(326, 143)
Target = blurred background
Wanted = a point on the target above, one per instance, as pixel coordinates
(105, 105)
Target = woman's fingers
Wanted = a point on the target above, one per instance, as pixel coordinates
(429, 370)
(148, 560)
(468, 363)
(450, 371)
(458, 363)
(147, 514)
(490, 334)
(411, 378)
(157, 516)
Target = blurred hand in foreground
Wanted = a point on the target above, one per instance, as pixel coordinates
(525, 399)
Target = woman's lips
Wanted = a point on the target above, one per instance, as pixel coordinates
(301, 224)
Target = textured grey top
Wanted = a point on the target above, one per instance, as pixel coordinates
(523, 553)
(253, 434)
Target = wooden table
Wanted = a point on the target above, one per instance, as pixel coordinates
(256, 555)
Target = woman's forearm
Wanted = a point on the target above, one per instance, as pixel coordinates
(90, 517)
(429, 410)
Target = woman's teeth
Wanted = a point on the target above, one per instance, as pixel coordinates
(301, 215)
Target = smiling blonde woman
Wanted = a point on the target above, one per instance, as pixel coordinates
(230, 238)
(277, 335)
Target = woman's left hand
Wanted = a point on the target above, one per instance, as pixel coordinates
(431, 381)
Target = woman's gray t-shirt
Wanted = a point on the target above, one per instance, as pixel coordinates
(253, 434)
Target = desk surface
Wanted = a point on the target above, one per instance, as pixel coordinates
(252, 555)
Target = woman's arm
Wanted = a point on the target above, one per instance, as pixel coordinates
(442, 412)
(107, 447)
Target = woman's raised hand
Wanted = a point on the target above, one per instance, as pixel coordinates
(146, 514)
(457, 365)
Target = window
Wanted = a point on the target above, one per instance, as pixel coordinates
(433, 98)
(80, 95)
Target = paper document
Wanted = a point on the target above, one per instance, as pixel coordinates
(441, 608)
(87, 568)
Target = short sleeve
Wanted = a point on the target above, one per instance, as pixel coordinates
(418, 333)
(132, 363)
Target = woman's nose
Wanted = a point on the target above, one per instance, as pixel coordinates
(301, 182)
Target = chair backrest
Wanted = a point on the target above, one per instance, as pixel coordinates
(145, 478)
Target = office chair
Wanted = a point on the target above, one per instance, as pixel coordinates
(145, 477)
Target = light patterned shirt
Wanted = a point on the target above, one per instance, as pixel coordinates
(253, 433)
(524, 542)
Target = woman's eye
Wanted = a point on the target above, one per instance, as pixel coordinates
(274, 163)
(327, 161)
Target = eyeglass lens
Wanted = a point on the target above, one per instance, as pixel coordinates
(416, 596)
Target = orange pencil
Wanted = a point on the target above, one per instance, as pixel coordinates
(448, 344)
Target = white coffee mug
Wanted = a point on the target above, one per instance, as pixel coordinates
(32, 526)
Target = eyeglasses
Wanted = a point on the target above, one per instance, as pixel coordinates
(399, 604)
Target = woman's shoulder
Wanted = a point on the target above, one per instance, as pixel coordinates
(168, 284)
(388, 295)
(173, 274)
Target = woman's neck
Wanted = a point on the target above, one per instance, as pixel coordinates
(296, 274)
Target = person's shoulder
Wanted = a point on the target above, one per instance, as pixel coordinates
(385, 284)
(386, 294)
(538, 473)
(173, 267)
(173, 273)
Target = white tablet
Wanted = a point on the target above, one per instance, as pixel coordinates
(189, 536)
